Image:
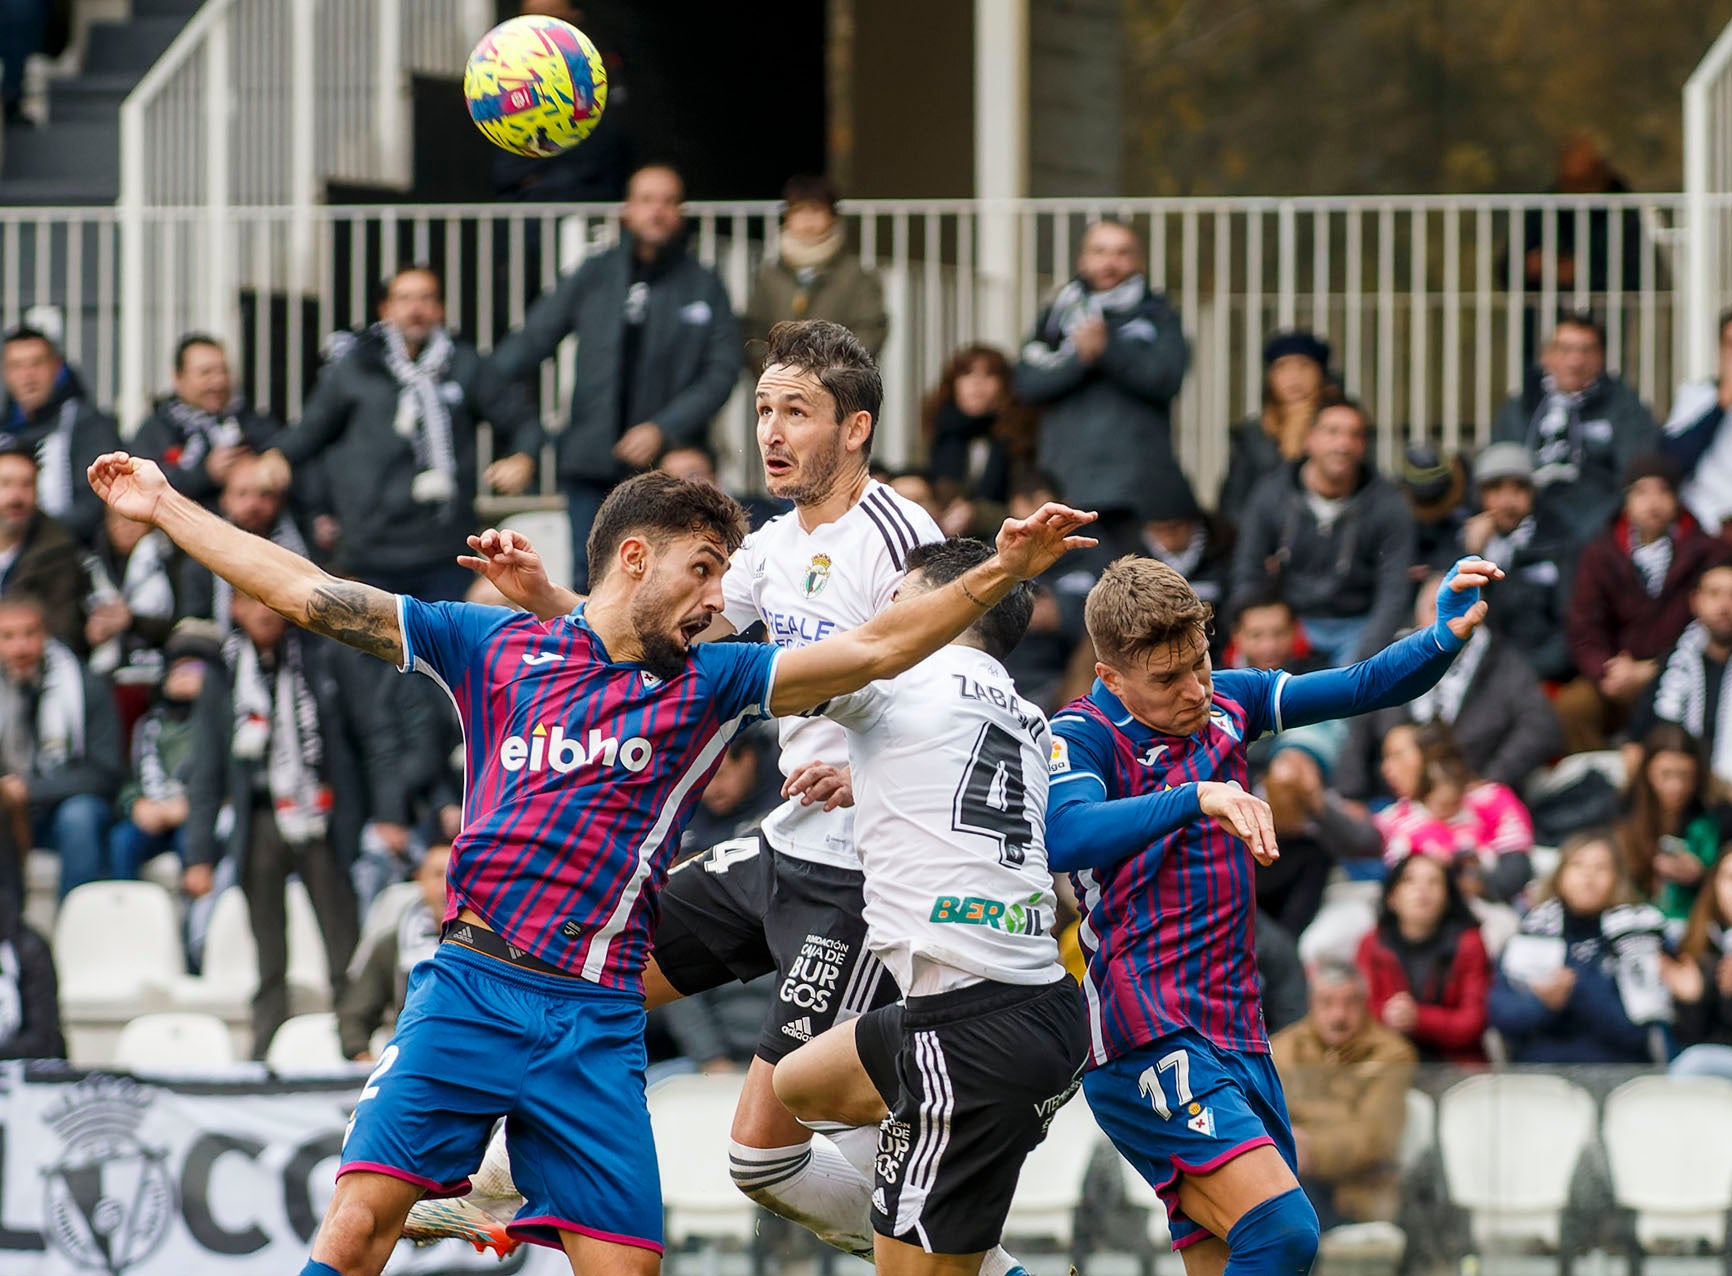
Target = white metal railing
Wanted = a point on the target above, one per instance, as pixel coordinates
(1427, 301)
(1707, 175)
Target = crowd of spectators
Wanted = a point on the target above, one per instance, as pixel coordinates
(1529, 911)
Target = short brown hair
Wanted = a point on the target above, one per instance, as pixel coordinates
(661, 507)
(836, 357)
(1140, 605)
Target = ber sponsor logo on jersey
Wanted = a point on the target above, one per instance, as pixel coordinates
(1024, 918)
(551, 749)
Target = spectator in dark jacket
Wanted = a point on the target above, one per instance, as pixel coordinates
(1296, 385)
(812, 275)
(40, 556)
(254, 499)
(1582, 426)
(1435, 484)
(658, 351)
(1701, 980)
(983, 441)
(198, 433)
(1195, 545)
(1581, 981)
(1425, 964)
(276, 780)
(49, 414)
(1336, 538)
(1630, 602)
(1490, 699)
(1529, 606)
(378, 981)
(395, 418)
(1695, 440)
(61, 757)
(131, 604)
(1104, 363)
(29, 990)
(1690, 690)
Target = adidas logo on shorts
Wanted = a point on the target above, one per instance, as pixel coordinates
(878, 1201)
(800, 1029)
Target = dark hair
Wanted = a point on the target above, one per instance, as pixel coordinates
(1032, 483)
(22, 453)
(809, 188)
(1640, 831)
(1266, 593)
(1706, 913)
(1444, 762)
(1003, 626)
(835, 356)
(662, 507)
(188, 342)
(1014, 424)
(23, 598)
(1345, 401)
(1581, 319)
(698, 446)
(24, 332)
(413, 268)
(1456, 912)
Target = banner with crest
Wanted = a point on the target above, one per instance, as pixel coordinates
(113, 1174)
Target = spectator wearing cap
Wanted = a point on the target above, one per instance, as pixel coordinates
(1179, 534)
(1103, 364)
(200, 431)
(1631, 601)
(153, 805)
(1435, 483)
(38, 556)
(48, 413)
(1530, 604)
(1695, 440)
(1582, 425)
(812, 275)
(1296, 384)
(1334, 536)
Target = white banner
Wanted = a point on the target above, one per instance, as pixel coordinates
(149, 1177)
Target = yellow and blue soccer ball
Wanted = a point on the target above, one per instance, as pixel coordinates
(535, 85)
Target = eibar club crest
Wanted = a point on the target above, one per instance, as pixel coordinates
(817, 575)
(108, 1199)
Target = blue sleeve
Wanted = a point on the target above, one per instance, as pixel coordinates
(1687, 447)
(742, 674)
(440, 639)
(1084, 828)
(1393, 676)
(1255, 690)
(1513, 1010)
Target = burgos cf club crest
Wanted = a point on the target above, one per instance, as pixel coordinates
(108, 1200)
(817, 575)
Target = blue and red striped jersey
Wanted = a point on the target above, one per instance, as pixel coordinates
(1168, 933)
(579, 774)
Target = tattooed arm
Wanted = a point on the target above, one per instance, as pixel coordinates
(293, 587)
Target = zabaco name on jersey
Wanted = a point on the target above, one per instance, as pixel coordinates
(546, 749)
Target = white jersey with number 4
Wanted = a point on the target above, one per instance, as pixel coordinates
(805, 586)
(950, 779)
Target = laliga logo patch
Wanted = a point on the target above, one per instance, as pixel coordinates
(1060, 759)
(108, 1199)
(817, 575)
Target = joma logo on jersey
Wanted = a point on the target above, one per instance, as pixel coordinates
(546, 749)
(971, 910)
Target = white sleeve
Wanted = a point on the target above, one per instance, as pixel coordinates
(858, 710)
(739, 602)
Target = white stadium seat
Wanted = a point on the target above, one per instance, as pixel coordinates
(550, 532)
(1510, 1143)
(117, 950)
(1051, 1186)
(692, 1116)
(1669, 1149)
(1420, 1132)
(308, 1043)
(309, 969)
(175, 1041)
(1337, 929)
(231, 964)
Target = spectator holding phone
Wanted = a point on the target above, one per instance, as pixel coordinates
(1670, 837)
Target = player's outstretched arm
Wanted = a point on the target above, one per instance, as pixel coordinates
(293, 587)
(1088, 831)
(512, 566)
(1401, 670)
(901, 636)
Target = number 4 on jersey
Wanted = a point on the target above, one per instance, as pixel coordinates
(992, 799)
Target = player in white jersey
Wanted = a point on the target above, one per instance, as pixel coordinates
(789, 899)
(949, 781)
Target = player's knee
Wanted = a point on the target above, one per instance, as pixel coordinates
(353, 1230)
(794, 1089)
(1275, 1238)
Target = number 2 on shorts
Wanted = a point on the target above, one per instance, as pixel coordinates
(387, 1057)
(1179, 1064)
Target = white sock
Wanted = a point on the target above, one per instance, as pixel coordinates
(494, 1176)
(859, 1144)
(811, 1184)
(998, 1261)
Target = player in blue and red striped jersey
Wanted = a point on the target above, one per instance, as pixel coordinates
(1148, 812)
(587, 741)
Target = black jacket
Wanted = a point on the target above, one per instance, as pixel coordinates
(350, 422)
(688, 357)
(51, 567)
(1357, 568)
(100, 769)
(163, 441)
(38, 1035)
(93, 433)
(1531, 604)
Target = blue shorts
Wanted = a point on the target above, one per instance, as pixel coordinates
(561, 1059)
(1182, 1105)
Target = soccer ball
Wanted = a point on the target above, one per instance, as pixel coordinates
(535, 85)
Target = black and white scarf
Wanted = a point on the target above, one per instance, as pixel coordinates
(153, 777)
(1073, 305)
(144, 587)
(1555, 434)
(11, 992)
(56, 735)
(1681, 696)
(222, 610)
(1653, 560)
(282, 731)
(1503, 549)
(1186, 560)
(54, 464)
(1442, 703)
(1632, 939)
(422, 416)
(204, 432)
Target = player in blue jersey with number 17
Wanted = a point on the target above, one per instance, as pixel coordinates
(587, 740)
(1148, 812)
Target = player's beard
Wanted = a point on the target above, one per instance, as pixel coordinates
(816, 478)
(663, 655)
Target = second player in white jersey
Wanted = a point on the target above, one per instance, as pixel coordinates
(805, 585)
(950, 776)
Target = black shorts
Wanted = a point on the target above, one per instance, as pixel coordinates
(972, 1079)
(742, 909)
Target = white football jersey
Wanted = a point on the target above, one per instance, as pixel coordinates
(950, 780)
(804, 585)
